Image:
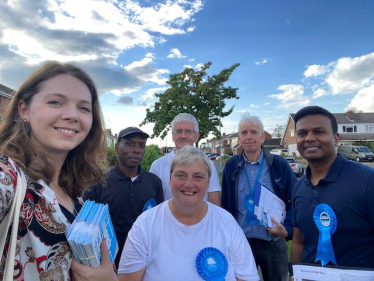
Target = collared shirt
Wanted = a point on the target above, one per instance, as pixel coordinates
(348, 188)
(252, 231)
(161, 168)
(126, 198)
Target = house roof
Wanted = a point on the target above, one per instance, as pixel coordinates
(229, 136)
(6, 92)
(272, 142)
(367, 117)
(357, 136)
(341, 118)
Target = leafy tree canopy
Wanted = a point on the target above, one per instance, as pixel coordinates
(194, 92)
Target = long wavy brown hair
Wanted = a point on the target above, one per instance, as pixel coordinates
(84, 165)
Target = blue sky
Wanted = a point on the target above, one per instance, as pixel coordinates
(292, 53)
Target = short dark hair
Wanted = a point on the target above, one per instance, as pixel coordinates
(316, 110)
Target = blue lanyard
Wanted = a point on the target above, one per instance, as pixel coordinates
(251, 191)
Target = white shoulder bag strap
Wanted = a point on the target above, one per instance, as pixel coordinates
(12, 219)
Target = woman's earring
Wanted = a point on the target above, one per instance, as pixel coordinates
(25, 120)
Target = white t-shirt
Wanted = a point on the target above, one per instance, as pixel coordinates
(168, 248)
(161, 168)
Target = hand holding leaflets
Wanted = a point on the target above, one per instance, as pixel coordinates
(88, 231)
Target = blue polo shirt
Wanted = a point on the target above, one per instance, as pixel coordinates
(252, 231)
(348, 189)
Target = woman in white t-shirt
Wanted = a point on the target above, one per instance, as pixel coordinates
(187, 238)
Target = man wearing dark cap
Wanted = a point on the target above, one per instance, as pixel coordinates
(129, 189)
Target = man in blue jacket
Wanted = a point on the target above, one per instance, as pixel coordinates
(245, 173)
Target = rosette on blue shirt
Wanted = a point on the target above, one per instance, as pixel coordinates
(249, 205)
(326, 222)
(150, 204)
(211, 264)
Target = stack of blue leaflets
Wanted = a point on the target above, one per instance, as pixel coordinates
(89, 229)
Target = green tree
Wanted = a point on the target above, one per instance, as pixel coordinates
(195, 92)
(152, 153)
(279, 131)
(354, 110)
(112, 156)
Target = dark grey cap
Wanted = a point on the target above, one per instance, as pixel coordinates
(131, 130)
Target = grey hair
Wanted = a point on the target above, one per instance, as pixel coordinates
(188, 155)
(247, 118)
(185, 117)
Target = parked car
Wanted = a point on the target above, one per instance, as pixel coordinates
(358, 153)
(213, 156)
(223, 156)
(296, 167)
(279, 151)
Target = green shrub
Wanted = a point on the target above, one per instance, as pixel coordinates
(152, 153)
(111, 156)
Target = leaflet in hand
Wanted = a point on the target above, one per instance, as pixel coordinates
(89, 229)
(269, 206)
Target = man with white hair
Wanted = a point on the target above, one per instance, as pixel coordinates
(243, 175)
(185, 131)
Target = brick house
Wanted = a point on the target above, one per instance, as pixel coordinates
(268, 143)
(353, 128)
(5, 96)
(230, 144)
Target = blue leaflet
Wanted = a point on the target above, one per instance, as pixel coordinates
(89, 229)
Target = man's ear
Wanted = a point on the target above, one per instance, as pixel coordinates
(116, 146)
(337, 139)
(23, 110)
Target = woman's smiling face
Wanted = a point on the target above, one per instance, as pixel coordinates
(60, 115)
(189, 183)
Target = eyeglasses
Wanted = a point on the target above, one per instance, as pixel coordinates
(186, 132)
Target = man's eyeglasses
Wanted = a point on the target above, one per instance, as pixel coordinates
(186, 132)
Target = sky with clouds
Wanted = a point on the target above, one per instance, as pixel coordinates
(292, 53)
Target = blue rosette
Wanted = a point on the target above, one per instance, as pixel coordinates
(149, 205)
(326, 222)
(249, 204)
(211, 264)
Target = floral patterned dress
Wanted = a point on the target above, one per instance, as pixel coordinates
(42, 251)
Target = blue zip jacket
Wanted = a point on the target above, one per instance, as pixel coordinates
(282, 178)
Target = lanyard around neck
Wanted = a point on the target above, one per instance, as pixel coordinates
(252, 190)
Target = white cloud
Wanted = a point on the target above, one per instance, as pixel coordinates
(91, 33)
(315, 70)
(149, 94)
(292, 96)
(191, 60)
(199, 66)
(318, 92)
(165, 18)
(175, 53)
(143, 70)
(364, 100)
(266, 103)
(190, 29)
(263, 61)
(351, 74)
